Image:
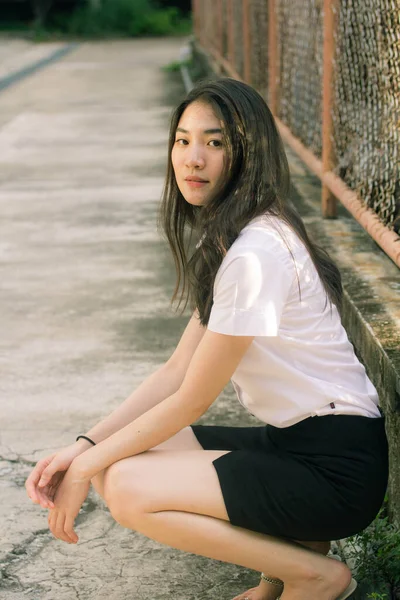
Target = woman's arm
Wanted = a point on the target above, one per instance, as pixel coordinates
(213, 363)
(157, 387)
(160, 385)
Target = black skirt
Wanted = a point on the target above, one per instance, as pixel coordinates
(321, 479)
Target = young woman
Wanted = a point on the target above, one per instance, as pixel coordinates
(266, 306)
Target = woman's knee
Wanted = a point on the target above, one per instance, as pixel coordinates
(107, 485)
(119, 499)
(112, 488)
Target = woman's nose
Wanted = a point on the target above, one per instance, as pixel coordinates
(194, 158)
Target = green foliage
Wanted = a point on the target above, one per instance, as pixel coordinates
(40, 34)
(12, 26)
(130, 18)
(376, 554)
(175, 66)
(110, 18)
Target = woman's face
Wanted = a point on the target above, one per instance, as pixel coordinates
(198, 153)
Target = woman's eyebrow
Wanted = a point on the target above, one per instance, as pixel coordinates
(205, 131)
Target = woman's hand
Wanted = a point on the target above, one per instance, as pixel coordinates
(69, 498)
(46, 477)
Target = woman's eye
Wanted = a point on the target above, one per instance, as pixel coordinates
(181, 141)
(215, 143)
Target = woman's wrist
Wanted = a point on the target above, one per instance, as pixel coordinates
(87, 438)
(80, 468)
(83, 444)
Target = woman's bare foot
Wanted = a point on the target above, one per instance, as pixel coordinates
(267, 591)
(264, 591)
(322, 578)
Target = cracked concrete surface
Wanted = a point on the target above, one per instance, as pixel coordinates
(85, 316)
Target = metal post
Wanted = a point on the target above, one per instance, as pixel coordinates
(207, 21)
(203, 12)
(201, 22)
(272, 57)
(246, 41)
(195, 15)
(220, 18)
(231, 35)
(329, 205)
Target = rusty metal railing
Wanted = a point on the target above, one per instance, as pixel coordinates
(298, 55)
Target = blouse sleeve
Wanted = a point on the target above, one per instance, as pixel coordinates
(250, 293)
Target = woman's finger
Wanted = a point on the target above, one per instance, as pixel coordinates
(60, 526)
(48, 473)
(34, 477)
(51, 521)
(50, 493)
(33, 480)
(69, 529)
(44, 498)
(54, 522)
(50, 489)
(41, 498)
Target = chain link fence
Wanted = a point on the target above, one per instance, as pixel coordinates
(365, 106)
(259, 45)
(300, 33)
(366, 109)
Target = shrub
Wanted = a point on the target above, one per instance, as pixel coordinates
(123, 17)
(376, 554)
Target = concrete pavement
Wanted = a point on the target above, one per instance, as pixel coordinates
(85, 287)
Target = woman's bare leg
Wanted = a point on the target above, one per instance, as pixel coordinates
(186, 440)
(269, 591)
(174, 497)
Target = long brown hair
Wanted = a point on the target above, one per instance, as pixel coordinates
(255, 181)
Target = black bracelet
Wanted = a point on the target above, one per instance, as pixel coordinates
(84, 437)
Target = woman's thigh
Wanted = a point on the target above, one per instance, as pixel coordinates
(163, 480)
(183, 440)
(218, 437)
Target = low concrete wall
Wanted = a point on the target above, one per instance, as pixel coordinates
(382, 364)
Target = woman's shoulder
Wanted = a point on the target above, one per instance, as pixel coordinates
(272, 235)
(260, 249)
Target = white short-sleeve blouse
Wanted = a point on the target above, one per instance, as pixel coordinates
(301, 362)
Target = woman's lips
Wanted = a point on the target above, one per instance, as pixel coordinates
(195, 184)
